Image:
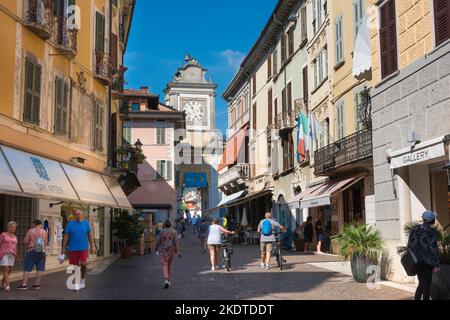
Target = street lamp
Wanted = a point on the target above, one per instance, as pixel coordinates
(138, 144)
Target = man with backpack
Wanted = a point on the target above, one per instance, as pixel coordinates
(267, 229)
(36, 241)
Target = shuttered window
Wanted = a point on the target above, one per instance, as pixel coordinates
(305, 85)
(289, 97)
(99, 32)
(269, 107)
(340, 126)
(98, 127)
(283, 48)
(32, 96)
(164, 170)
(114, 54)
(339, 40)
(269, 66)
(304, 23)
(442, 20)
(358, 13)
(291, 41)
(275, 62)
(61, 107)
(275, 109)
(126, 135)
(160, 136)
(254, 84)
(388, 39)
(283, 102)
(254, 116)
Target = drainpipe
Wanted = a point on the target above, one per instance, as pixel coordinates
(109, 151)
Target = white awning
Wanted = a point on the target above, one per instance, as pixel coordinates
(229, 199)
(117, 193)
(362, 55)
(7, 181)
(39, 177)
(322, 195)
(90, 187)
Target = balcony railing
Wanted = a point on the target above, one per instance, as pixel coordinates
(351, 149)
(103, 67)
(125, 161)
(288, 119)
(38, 16)
(237, 174)
(65, 38)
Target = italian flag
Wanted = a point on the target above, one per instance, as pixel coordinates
(301, 136)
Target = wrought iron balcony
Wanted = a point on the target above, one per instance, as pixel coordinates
(65, 38)
(38, 16)
(234, 177)
(103, 67)
(354, 148)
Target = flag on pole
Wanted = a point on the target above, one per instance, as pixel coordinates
(303, 129)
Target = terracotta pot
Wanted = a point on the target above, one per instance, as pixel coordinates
(125, 252)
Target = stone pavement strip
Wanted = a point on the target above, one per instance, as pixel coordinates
(140, 278)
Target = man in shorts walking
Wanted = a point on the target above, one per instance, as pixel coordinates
(78, 236)
(267, 229)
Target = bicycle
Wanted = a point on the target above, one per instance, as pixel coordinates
(227, 251)
(277, 250)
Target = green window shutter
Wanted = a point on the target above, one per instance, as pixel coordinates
(99, 32)
(358, 111)
(340, 120)
(339, 40)
(126, 134)
(169, 171)
(31, 108)
(98, 127)
(65, 108)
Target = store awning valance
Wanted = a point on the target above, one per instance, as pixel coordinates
(29, 175)
(294, 203)
(362, 56)
(321, 196)
(39, 177)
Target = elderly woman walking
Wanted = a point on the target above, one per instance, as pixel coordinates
(168, 247)
(8, 253)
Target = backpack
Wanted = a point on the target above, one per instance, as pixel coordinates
(40, 244)
(266, 228)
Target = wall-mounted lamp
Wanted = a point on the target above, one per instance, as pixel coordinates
(138, 144)
(292, 18)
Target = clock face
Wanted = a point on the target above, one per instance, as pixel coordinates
(194, 111)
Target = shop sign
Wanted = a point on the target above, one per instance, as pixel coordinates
(39, 175)
(418, 156)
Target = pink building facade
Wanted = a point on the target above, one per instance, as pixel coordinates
(154, 125)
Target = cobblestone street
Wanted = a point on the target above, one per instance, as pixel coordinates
(140, 278)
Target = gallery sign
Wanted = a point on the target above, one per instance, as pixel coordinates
(418, 155)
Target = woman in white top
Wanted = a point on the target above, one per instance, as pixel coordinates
(215, 232)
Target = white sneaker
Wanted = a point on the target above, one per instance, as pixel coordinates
(267, 267)
(213, 268)
(263, 265)
(77, 287)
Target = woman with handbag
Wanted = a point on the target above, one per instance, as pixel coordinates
(423, 243)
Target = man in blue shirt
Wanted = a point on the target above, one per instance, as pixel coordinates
(78, 236)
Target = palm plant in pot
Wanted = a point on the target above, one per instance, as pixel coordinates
(128, 230)
(362, 245)
(440, 288)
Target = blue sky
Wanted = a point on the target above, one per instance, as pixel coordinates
(217, 33)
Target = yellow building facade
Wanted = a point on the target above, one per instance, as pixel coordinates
(59, 60)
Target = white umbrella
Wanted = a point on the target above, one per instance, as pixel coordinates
(244, 221)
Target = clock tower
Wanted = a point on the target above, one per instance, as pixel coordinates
(191, 92)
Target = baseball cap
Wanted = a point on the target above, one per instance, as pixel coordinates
(429, 216)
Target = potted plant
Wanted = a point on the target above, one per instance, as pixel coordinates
(362, 245)
(128, 231)
(440, 288)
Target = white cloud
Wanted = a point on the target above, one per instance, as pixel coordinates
(234, 58)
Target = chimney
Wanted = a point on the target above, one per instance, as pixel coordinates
(144, 89)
